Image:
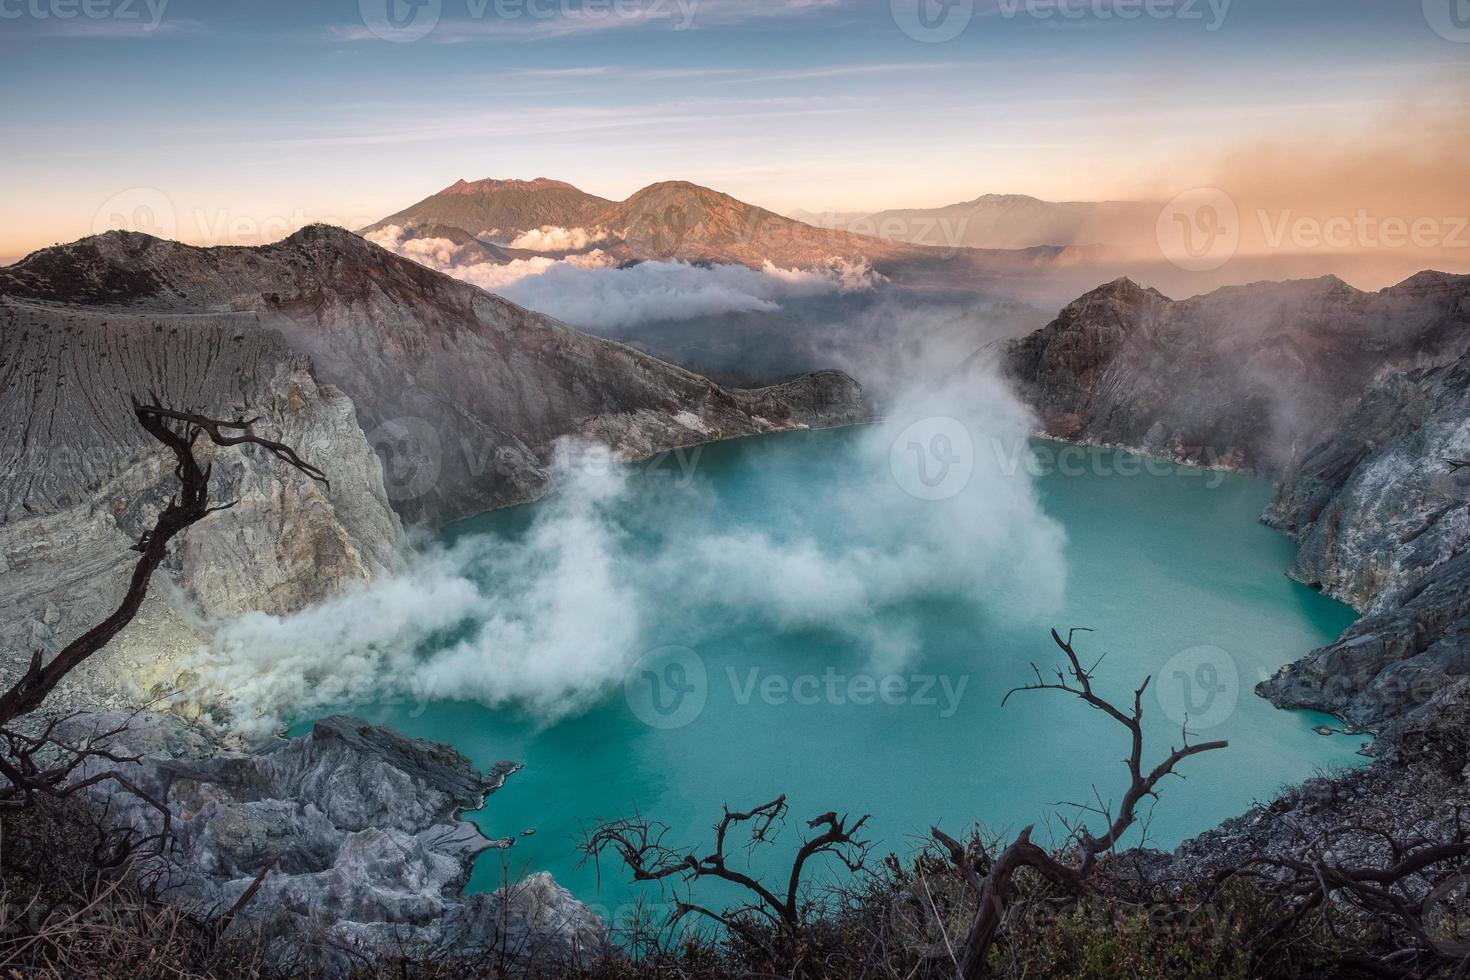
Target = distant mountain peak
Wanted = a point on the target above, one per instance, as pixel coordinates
(1007, 199)
(685, 189)
(503, 208)
(1125, 288)
(491, 184)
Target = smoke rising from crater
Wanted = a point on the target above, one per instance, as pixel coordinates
(612, 566)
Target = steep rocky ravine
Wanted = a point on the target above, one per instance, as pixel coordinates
(425, 400)
(1353, 402)
(465, 390)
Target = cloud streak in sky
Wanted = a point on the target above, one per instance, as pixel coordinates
(487, 21)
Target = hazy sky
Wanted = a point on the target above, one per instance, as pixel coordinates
(246, 119)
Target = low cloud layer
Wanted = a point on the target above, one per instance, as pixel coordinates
(549, 238)
(613, 566)
(592, 289)
(651, 291)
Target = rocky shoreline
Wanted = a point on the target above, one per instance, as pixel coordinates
(1355, 404)
(352, 835)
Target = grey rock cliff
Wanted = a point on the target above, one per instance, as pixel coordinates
(1384, 523)
(82, 481)
(1352, 401)
(464, 393)
(1417, 789)
(357, 830)
(423, 398)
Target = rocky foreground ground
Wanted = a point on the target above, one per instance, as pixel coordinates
(348, 840)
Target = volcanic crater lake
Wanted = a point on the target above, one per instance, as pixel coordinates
(1167, 566)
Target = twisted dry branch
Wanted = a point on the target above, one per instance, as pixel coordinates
(991, 880)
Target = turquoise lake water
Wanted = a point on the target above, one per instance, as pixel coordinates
(1170, 568)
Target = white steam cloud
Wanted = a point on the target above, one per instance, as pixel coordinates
(593, 289)
(550, 238)
(548, 623)
(651, 291)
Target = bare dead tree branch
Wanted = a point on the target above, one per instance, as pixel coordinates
(178, 431)
(1313, 880)
(639, 844)
(41, 763)
(992, 881)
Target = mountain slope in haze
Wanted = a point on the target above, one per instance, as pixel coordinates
(1015, 221)
(679, 220)
(668, 220)
(1248, 376)
(472, 389)
(501, 208)
(1354, 402)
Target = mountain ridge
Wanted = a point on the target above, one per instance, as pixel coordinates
(678, 220)
(426, 399)
(1353, 402)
